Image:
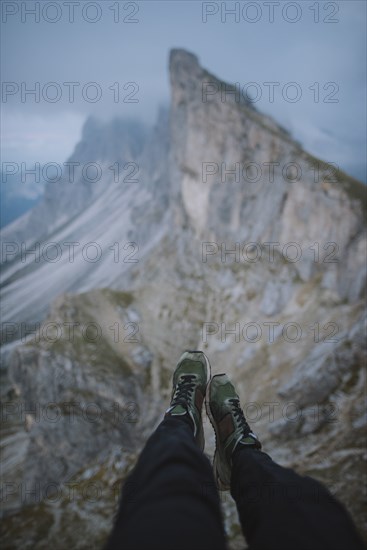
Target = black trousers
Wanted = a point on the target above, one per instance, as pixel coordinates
(170, 502)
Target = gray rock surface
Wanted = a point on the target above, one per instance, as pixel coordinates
(289, 333)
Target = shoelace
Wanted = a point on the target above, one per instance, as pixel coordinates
(184, 389)
(238, 414)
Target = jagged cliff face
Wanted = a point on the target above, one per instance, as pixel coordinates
(276, 191)
(296, 347)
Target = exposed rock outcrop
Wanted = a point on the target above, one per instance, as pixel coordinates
(247, 247)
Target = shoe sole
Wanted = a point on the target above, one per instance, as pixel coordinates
(220, 484)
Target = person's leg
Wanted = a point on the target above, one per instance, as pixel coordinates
(168, 501)
(278, 508)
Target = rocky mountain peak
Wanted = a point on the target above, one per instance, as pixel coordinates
(185, 75)
(196, 251)
(183, 64)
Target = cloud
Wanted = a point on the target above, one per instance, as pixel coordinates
(29, 137)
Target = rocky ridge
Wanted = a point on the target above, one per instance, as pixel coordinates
(290, 333)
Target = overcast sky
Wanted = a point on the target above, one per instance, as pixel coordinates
(323, 51)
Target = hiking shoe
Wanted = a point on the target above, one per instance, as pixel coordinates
(189, 385)
(231, 429)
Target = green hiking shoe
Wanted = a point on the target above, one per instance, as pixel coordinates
(189, 385)
(230, 426)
